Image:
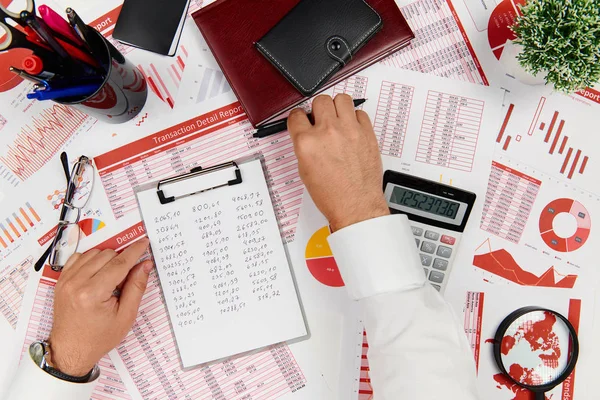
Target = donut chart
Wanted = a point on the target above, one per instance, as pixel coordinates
(320, 261)
(582, 217)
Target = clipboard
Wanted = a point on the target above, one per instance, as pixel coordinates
(196, 172)
(223, 268)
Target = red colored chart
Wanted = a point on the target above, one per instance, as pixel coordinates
(501, 20)
(320, 261)
(547, 228)
(90, 225)
(502, 263)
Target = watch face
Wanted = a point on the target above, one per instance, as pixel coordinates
(37, 351)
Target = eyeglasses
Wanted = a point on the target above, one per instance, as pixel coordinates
(77, 195)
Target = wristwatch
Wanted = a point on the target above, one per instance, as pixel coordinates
(39, 351)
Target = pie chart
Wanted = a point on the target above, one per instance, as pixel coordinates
(320, 261)
(502, 18)
(90, 225)
(556, 211)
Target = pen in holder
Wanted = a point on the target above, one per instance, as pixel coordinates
(123, 92)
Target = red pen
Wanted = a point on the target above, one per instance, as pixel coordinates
(73, 51)
(58, 24)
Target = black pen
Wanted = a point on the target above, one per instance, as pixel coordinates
(281, 125)
(39, 27)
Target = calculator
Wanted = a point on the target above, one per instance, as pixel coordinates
(438, 215)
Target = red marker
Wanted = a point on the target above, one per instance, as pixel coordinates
(33, 65)
(58, 24)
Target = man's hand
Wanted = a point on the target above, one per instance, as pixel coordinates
(88, 320)
(339, 161)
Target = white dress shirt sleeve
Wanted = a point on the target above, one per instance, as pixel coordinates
(33, 383)
(417, 347)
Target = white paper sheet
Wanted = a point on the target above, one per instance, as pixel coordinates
(222, 265)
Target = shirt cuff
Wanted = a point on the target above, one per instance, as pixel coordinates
(31, 382)
(377, 256)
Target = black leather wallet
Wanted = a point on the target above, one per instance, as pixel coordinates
(317, 38)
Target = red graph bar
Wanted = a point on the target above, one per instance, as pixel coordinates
(542, 126)
(536, 116)
(19, 222)
(567, 157)
(180, 62)
(12, 226)
(572, 171)
(551, 128)
(26, 216)
(583, 164)
(505, 123)
(506, 142)
(32, 211)
(3, 243)
(10, 238)
(151, 83)
(177, 75)
(563, 144)
(169, 99)
(557, 136)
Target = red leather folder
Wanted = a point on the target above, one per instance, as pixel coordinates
(231, 27)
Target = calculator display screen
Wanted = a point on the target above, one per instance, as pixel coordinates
(424, 202)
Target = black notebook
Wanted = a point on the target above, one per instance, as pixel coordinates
(153, 25)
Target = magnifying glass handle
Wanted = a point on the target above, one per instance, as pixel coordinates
(540, 396)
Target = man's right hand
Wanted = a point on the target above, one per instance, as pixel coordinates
(89, 320)
(339, 161)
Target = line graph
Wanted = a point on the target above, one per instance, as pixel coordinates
(39, 141)
(501, 263)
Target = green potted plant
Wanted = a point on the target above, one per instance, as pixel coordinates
(558, 43)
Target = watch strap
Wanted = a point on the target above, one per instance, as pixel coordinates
(39, 351)
(69, 378)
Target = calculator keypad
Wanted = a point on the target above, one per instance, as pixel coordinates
(448, 240)
(436, 277)
(426, 260)
(432, 235)
(435, 251)
(440, 264)
(417, 231)
(444, 251)
(428, 247)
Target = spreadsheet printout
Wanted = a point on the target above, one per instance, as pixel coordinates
(204, 136)
(222, 264)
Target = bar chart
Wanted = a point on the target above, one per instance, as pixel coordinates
(16, 224)
(553, 133)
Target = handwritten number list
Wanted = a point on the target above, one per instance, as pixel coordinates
(177, 265)
(183, 269)
(222, 266)
(251, 217)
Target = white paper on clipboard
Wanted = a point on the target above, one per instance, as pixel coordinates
(221, 262)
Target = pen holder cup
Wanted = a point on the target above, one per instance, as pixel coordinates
(124, 91)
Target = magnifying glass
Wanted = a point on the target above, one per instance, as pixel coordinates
(536, 348)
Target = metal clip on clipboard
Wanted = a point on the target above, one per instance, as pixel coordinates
(195, 172)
